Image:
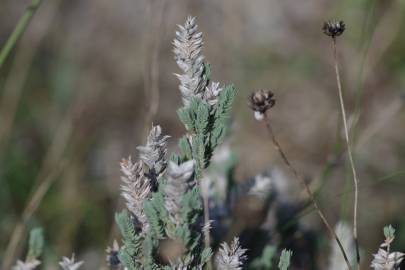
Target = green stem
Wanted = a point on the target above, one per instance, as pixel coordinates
(19, 30)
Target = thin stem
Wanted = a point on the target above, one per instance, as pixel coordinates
(156, 10)
(206, 231)
(53, 164)
(19, 30)
(349, 151)
(207, 239)
(30, 209)
(277, 146)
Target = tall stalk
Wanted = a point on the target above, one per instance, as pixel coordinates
(277, 146)
(207, 238)
(349, 151)
(19, 30)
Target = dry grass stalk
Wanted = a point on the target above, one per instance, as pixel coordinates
(349, 151)
(277, 146)
(260, 102)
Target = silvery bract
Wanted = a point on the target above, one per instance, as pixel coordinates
(230, 257)
(212, 92)
(70, 264)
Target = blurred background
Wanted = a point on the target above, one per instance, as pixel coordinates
(86, 80)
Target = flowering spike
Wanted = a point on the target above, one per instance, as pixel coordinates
(187, 53)
(136, 189)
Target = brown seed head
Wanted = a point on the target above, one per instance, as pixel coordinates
(333, 28)
(260, 101)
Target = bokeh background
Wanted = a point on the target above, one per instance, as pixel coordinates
(87, 79)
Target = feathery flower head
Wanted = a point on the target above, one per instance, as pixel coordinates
(230, 257)
(260, 101)
(70, 264)
(333, 28)
(136, 189)
(180, 179)
(188, 56)
(112, 255)
(153, 154)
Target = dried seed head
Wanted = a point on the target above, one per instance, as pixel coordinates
(260, 101)
(333, 28)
